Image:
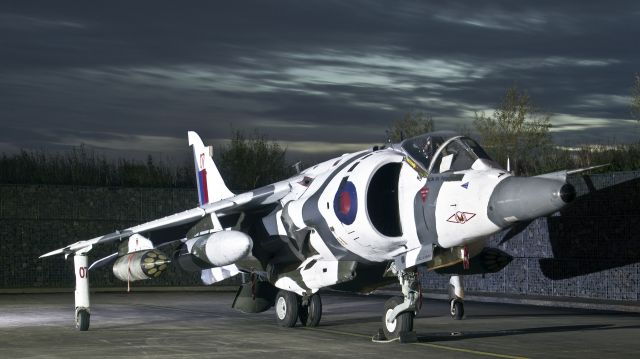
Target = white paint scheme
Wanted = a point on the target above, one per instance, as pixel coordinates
(289, 284)
(361, 237)
(321, 274)
(414, 257)
(409, 185)
(216, 188)
(361, 241)
(217, 274)
(222, 248)
(318, 244)
(81, 269)
(138, 243)
(474, 199)
(456, 289)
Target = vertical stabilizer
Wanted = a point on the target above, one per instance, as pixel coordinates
(211, 187)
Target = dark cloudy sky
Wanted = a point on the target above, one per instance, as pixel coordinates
(318, 76)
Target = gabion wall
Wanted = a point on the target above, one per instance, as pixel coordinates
(591, 249)
(37, 219)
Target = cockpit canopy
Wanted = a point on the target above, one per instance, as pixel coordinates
(437, 152)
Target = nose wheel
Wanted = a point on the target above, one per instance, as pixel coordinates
(403, 322)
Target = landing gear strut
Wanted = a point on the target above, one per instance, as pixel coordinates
(456, 297)
(399, 312)
(83, 313)
(290, 307)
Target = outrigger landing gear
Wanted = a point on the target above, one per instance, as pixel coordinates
(399, 312)
(83, 313)
(290, 307)
(456, 297)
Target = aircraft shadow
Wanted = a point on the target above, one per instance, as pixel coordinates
(599, 231)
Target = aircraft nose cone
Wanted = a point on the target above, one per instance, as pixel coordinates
(519, 199)
(567, 193)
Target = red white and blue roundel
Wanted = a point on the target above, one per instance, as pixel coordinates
(345, 203)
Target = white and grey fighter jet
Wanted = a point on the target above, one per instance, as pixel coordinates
(356, 222)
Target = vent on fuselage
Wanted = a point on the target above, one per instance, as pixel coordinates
(382, 200)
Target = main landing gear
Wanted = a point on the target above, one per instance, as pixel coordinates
(290, 307)
(397, 320)
(456, 297)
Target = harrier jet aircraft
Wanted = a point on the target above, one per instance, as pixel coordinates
(353, 223)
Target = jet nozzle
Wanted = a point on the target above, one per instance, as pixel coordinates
(517, 199)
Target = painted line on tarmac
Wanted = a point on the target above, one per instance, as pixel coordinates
(437, 346)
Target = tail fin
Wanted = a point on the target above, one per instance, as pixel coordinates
(211, 187)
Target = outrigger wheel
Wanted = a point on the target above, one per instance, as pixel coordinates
(403, 322)
(82, 320)
(457, 309)
(311, 313)
(287, 308)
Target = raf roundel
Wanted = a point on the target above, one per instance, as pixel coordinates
(345, 203)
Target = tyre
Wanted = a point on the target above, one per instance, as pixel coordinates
(457, 309)
(403, 322)
(287, 308)
(311, 313)
(82, 320)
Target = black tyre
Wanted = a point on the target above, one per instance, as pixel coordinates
(82, 320)
(457, 309)
(311, 313)
(287, 308)
(403, 322)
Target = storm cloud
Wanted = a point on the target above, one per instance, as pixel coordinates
(321, 77)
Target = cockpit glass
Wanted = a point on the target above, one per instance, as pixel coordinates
(422, 148)
(459, 153)
(456, 156)
(475, 147)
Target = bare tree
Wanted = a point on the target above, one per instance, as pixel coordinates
(248, 163)
(516, 130)
(412, 124)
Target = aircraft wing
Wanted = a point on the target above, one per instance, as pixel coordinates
(562, 175)
(259, 197)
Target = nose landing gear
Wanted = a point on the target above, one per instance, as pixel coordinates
(456, 297)
(397, 320)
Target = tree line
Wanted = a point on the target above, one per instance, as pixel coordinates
(516, 131)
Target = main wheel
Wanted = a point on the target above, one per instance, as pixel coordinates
(402, 323)
(311, 313)
(457, 309)
(286, 308)
(82, 320)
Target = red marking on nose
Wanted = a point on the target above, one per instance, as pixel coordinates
(345, 202)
